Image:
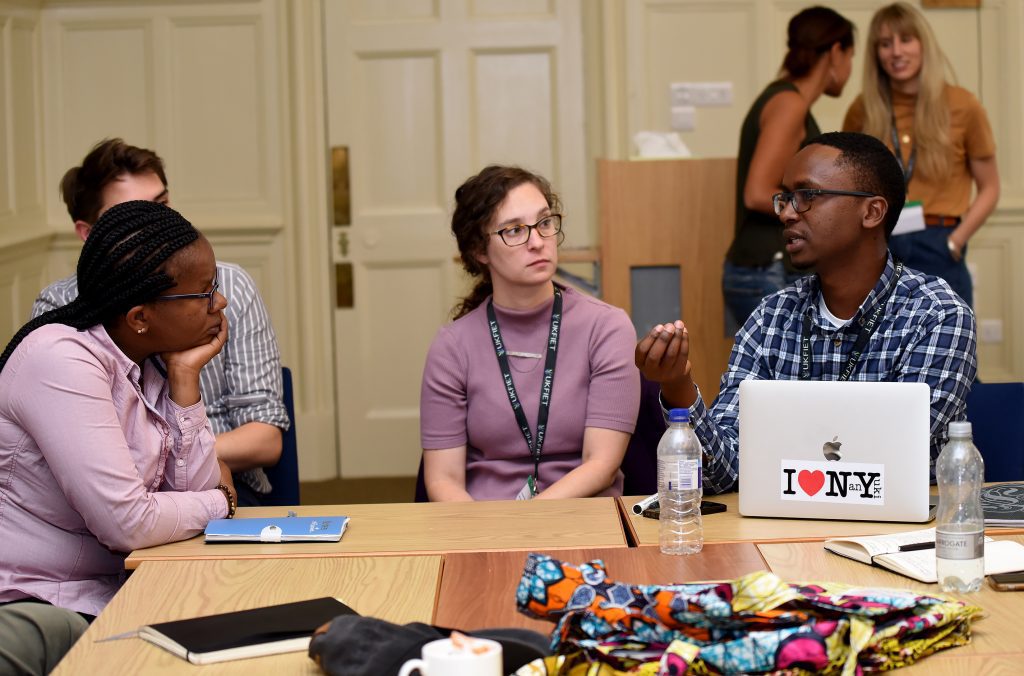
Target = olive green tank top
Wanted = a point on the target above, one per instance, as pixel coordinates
(758, 236)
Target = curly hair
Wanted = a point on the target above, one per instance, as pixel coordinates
(476, 203)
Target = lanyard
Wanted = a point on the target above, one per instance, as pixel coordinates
(908, 171)
(535, 447)
(866, 329)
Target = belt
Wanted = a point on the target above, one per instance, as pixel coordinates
(934, 221)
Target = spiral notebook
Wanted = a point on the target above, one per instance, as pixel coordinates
(1003, 505)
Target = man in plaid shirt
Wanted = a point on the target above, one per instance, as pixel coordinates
(844, 193)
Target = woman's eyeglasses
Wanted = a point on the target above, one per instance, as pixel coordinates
(208, 295)
(516, 235)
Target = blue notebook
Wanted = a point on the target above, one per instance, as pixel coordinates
(278, 529)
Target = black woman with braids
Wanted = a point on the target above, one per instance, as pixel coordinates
(104, 442)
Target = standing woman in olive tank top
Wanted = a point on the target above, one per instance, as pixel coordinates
(941, 137)
(779, 123)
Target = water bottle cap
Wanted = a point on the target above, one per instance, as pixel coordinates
(679, 415)
(959, 429)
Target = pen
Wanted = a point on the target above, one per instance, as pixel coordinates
(917, 546)
(639, 507)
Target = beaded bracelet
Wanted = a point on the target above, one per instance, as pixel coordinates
(232, 503)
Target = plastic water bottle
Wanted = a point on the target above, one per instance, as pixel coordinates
(960, 522)
(680, 486)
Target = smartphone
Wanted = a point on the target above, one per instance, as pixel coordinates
(706, 507)
(1007, 581)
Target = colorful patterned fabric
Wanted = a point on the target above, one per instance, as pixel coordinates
(755, 624)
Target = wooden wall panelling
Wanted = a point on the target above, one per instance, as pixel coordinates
(22, 275)
(672, 212)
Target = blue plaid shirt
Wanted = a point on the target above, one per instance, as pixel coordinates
(925, 334)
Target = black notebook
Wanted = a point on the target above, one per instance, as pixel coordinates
(1003, 504)
(245, 633)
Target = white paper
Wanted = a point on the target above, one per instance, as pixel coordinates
(656, 144)
(911, 220)
(1001, 556)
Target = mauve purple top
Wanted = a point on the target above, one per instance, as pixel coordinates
(93, 463)
(463, 399)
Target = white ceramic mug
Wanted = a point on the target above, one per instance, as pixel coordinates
(441, 658)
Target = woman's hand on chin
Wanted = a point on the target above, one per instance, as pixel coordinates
(195, 358)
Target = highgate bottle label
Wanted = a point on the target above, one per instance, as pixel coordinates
(960, 546)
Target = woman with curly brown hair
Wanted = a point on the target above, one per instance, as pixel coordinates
(531, 391)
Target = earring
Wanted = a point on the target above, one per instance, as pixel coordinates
(141, 331)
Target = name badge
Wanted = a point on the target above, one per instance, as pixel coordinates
(529, 489)
(911, 219)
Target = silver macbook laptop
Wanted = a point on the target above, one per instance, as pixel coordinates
(834, 450)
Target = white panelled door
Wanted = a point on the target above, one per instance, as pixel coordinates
(425, 93)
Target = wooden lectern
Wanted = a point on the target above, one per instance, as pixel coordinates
(673, 213)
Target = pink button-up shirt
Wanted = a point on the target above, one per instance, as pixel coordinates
(93, 464)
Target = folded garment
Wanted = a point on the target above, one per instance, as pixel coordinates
(754, 624)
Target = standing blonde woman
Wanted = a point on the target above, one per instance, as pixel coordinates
(939, 133)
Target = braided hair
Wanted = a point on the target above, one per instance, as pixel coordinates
(122, 264)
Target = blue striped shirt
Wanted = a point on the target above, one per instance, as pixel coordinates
(925, 334)
(242, 384)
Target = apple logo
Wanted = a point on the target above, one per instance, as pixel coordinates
(831, 449)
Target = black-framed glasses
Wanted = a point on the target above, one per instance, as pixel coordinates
(519, 234)
(209, 295)
(801, 199)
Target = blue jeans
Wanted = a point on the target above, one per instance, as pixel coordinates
(927, 251)
(744, 288)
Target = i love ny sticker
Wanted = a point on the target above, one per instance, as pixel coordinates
(846, 482)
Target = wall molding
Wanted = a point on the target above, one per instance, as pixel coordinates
(15, 247)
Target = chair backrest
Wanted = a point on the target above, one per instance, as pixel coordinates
(421, 487)
(284, 476)
(640, 464)
(996, 414)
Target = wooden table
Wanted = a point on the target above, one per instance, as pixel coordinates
(996, 646)
(396, 588)
(425, 528)
(730, 526)
(467, 579)
(478, 590)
